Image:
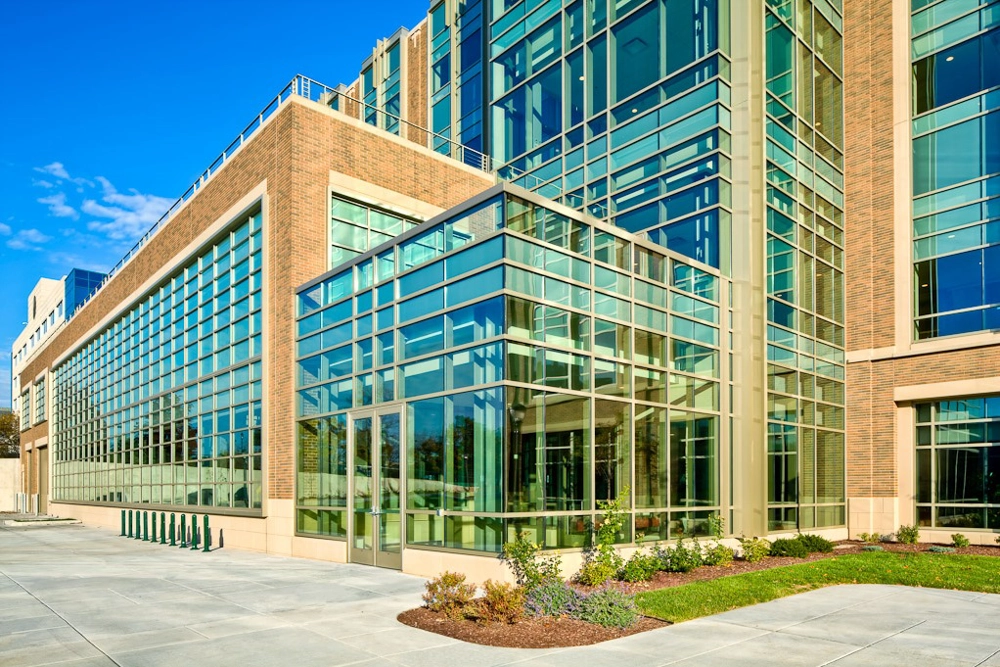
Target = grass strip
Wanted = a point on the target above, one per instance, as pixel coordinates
(704, 598)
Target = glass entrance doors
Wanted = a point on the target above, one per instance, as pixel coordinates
(376, 519)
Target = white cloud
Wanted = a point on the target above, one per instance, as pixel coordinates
(28, 239)
(43, 184)
(55, 169)
(124, 216)
(4, 229)
(58, 206)
(58, 170)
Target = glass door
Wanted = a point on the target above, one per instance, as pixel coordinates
(376, 519)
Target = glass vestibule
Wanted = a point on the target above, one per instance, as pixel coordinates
(375, 530)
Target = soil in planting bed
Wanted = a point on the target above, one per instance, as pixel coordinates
(550, 632)
(544, 632)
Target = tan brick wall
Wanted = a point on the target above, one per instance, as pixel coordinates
(295, 153)
(417, 101)
(868, 163)
(872, 468)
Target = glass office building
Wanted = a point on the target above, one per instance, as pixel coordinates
(504, 368)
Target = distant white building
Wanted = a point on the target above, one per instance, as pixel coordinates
(50, 303)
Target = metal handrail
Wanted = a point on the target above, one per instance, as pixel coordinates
(315, 91)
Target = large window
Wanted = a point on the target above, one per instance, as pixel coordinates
(958, 463)
(163, 407)
(956, 150)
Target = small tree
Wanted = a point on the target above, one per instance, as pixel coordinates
(10, 438)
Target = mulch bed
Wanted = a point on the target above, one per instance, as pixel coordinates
(545, 632)
(561, 632)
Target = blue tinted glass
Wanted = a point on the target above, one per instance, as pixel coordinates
(959, 281)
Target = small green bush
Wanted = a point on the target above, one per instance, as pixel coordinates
(609, 608)
(719, 554)
(789, 547)
(960, 540)
(998, 539)
(815, 543)
(680, 557)
(449, 594)
(872, 547)
(755, 549)
(870, 538)
(595, 572)
(908, 534)
(940, 550)
(529, 567)
(501, 603)
(640, 567)
(553, 598)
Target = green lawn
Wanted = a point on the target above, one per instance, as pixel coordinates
(682, 603)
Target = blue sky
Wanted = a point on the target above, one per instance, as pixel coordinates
(113, 108)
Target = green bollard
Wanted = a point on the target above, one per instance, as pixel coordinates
(205, 537)
(163, 527)
(123, 523)
(129, 523)
(152, 534)
(184, 531)
(173, 531)
(138, 525)
(145, 526)
(194, 532)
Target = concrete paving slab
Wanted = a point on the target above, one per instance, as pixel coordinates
(129, 603)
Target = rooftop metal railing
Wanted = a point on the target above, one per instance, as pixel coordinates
(338, 100)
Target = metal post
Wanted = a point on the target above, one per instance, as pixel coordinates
(129, 522)
(163, 527)
(145, 526)
(123, 523)
(205, 537)
(184, 531)
(152, 535)
(138, 525)
(173, 531)
(194, 532)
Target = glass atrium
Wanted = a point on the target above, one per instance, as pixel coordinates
(504, 368)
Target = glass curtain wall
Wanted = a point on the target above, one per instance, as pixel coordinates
(958, 463)
(381, 87)
(543, 364)
(163, 407)
(955, 47)
(621, 109)
(805, 262)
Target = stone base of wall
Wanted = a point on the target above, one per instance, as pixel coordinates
(873, 515)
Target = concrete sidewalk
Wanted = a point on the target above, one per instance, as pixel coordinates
(77, 596)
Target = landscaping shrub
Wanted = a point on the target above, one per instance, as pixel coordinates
(940, 550)
(595, 572)
(789, 547)
(872, 547)
(501, 602)
(609, 608)
(679, 558)
(529, 567)
(640, 567)
(602, 562)
(449, 594)
(960, 540)
(718, 554)
(870, 538)
(754, 548)
(815, 543)
(908, 534)
(552, 598)
(998, 539)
